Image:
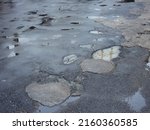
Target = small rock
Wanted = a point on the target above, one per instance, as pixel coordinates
(70, 59)
(97, 66)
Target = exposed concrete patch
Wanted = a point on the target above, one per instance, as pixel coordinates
(107, 54)
(97, 66)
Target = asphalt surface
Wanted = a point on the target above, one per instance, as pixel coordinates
(43, 33)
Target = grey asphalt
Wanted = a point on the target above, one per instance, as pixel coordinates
(46, 32)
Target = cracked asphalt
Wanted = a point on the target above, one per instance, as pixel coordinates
(46, 41)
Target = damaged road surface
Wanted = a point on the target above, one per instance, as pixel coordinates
(74, 56)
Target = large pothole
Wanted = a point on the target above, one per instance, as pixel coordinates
(49, 94)
(53, 90)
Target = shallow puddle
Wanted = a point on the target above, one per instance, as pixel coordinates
(136, 101)
(52, 91)
(107, 54)
(49, 94)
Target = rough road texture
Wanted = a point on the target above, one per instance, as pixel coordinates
(35, 38)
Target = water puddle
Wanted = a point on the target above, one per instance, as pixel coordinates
(107, 54)
(136, 101)
(52, 91)
(49, 94)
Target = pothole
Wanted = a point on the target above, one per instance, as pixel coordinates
(136, 101)
(53, 90)
(49, 94)
(69, 59)
(97, 66)
(107, 54)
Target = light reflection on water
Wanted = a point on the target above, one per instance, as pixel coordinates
(136, 101)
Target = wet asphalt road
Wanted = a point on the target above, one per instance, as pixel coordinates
(43, 33)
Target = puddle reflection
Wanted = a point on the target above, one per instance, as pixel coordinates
(136, 101)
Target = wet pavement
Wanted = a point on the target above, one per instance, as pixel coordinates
(44, 42)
